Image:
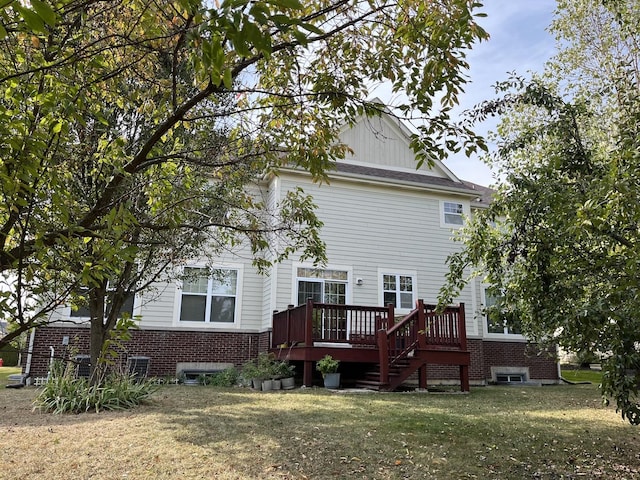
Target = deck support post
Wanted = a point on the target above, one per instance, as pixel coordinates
(383, 350)
(464, 378)
(422, 377)
(307, 374)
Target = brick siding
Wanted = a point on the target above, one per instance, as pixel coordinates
(165, 348)
(486, 354)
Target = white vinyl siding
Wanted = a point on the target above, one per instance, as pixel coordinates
(375, 228)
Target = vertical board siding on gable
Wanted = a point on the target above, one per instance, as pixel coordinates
(369, 227)
(376, 142)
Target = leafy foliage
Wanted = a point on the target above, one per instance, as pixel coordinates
(133, 134)
(64, 393)
(227, 378)
(561, 239)
(327, 364)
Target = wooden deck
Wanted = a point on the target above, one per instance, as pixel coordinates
(391, 349)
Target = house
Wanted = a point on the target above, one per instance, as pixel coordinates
(388, 229)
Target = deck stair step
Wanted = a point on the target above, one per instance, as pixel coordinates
(371, 379)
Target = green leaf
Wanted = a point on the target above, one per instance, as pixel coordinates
(293, 4)
(45, 12)
(32, 19)
(227, 79)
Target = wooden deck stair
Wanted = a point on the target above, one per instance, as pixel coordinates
(398, 374)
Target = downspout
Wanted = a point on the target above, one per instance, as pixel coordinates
(27, 368)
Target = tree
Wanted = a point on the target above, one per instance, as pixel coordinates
(561, 241)
(118, 96)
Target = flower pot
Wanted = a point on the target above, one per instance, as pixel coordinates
(256, 383)
(277, 384)
(331, 380)
(267, 385)
(288, 383)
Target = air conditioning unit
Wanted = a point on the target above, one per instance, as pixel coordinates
(83, 366)
(138, 366)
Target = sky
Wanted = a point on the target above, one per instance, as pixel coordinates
(519, 42)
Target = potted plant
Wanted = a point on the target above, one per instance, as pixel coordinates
(328, 367)
(252, 373)
(286, 373)
(265, 367)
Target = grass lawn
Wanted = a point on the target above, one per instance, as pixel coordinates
(4, 375)
(582, 375)
(204, 433)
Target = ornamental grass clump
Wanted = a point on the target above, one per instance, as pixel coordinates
(64, 393)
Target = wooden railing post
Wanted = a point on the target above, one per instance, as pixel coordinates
(390, 316)
(383, 350)
(422, 326)
(308, 323)
(272, 327)
(462, 327)
(289, 308)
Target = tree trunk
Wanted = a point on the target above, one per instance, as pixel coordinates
(98, 333)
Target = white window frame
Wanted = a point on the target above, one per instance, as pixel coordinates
(296, 279)
(207, 322)
(414, 288)
(443, 213)
(485, 325)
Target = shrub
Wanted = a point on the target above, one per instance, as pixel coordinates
(327, 364)
(64, 393)
(226, 378)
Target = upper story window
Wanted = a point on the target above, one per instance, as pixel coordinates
(209, 297)
(452, 213)
(399, 290)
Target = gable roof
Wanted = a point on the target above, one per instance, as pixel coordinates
(416, 179)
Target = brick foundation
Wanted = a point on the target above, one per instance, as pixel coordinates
(486, 354)
(165, 348)
(168, 348)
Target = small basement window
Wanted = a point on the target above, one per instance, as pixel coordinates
(510, 378)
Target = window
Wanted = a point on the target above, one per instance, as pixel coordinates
(399, 290)
(324, 286)
(452, 213)
(498, 319)
(83, 309)
(510, 378)
(208, 296)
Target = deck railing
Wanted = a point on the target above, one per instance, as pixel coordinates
(324, 322)
(422, 328)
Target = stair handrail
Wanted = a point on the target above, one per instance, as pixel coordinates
(417, 338)
(388, 354)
